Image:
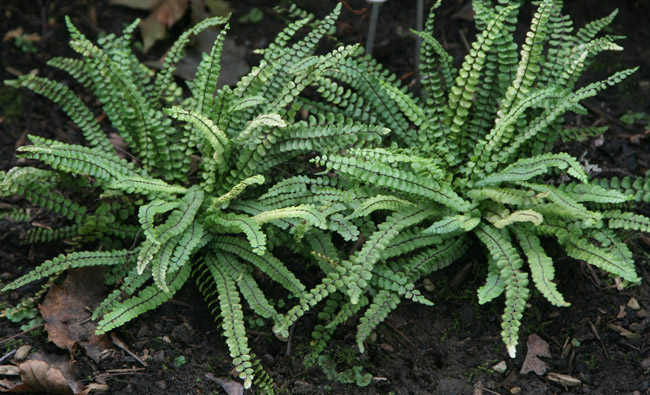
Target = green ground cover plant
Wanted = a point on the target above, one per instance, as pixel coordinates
(327, 161)
(469, 163)
(172, 203)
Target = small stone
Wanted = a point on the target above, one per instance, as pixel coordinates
(633, 304)
(428, 285)
(159, 356)
(22, 352)
(645, 364)
(643, 313)
(161, 384)
(143, 332)
(501, 367)
(515, 390)
(182, 334)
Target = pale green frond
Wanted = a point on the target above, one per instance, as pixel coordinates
(384, 175)
(236, 191)
(601, 258)
(248, 225)
(232, 314)
(451, 224)
(207, 129)
(541, 267)
(147, 299)
(361, 263)
(527, 168)
(519, 216)
(306, 212)
(267, 263)
(379, 202)
(593, 193)
(494, 284)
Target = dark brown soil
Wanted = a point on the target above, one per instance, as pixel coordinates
(450, 348)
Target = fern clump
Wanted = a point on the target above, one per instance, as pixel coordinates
(193, 194)
(470, 162)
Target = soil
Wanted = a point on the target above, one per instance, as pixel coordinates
(450, 348)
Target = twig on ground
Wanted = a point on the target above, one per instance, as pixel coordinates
(119, 343)
(21, 333)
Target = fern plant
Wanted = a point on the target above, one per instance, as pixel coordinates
(470, 162)
(190, 194)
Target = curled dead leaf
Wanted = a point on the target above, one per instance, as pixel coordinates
(537, 347)
(164, 14)
(67, 308)
(51, 373)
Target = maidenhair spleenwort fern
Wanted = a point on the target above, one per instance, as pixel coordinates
(155, 216)
(470, 161)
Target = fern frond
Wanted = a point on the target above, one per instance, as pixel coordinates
(175, 53)
(512, 196)
(45, 235)
(267, 263)
(37, 186)
(451, 224)
(206, 77)
(399, 180)
(626, 220)
(247, 285)
(527, 168)
(207, 129)
(601, 258)
(176, 223)
(361, 264)
(509, 262)
(382, 304)
(530, 58)
(461, 94)
(379, 202)
(147, 299)
(249, 226)
(494, 284)
(71, 104)
(541, 267)
(307, 212)
(233, 320)
(581, 134)
(409, 240)
(71, 261)
(306, 301)
(177, 252)
(593, 193)
(236, 191)
(76, 159)
(563, 201)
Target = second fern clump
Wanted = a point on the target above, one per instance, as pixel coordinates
(470, 162)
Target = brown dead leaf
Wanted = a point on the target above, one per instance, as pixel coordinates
(67, 309)
(231, 387)
(164, 14)
(119, 144)
(537, 347)
(18, 32)
(51, 373)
